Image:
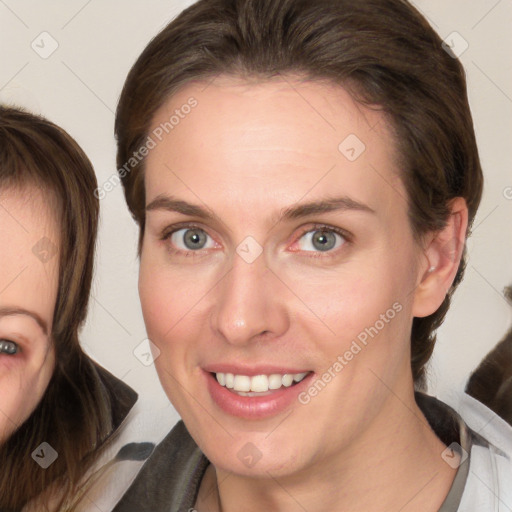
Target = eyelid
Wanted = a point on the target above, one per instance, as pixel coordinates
(23, 335)
(323, 227)
(170, 230)
(318, 226)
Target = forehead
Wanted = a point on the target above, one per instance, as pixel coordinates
(283, 139)
(29, 240)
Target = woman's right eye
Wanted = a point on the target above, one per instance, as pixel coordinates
(191, 239)
(8, 347)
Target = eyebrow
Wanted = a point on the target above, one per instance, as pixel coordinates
(25, 312)
(163, 202)
(324, 206)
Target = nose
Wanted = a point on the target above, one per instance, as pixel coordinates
(249, 303)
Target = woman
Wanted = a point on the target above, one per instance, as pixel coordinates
(304, 175)
(57, 407)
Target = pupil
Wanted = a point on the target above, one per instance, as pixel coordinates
(194, 239)
(324, 240)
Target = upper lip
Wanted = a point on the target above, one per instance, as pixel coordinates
(261, 369)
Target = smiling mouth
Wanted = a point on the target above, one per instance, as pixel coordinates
(258, 385)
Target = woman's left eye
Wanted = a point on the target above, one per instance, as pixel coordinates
(8, 347)
(191, 239)
(322, 240)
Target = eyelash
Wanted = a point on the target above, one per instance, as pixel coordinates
(324, 227)
(166, 235)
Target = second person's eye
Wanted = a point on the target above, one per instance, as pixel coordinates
(8, 347)
(322, 240)
(191, 239)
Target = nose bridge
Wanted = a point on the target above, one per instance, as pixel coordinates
(248, 303)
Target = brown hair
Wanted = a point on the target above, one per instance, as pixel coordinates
(72, 416)
(491, 382)
(383, 51)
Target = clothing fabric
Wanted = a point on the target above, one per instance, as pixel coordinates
(138, 426)
(126, 447)
(169, 481)
(118, 397)
(489, 482)
(121, 452)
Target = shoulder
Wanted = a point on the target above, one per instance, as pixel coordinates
(486, 422)
(118, 396)
(132, 430)
(137, 427)
(489, 483)
(179, 463)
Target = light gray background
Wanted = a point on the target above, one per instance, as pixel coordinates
(78, 86)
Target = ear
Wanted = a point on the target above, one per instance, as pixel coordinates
(440, 260)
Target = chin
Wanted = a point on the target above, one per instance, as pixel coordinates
(255, 454)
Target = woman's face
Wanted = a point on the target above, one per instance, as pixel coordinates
(28, 291)
(277, 244)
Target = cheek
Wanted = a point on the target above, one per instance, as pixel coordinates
(172, 297)
(170, 310)
(169, 307)
(348, 301)
(163, 299)
(21, 390)
(364, 312)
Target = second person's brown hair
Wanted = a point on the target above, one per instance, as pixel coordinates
(73, 415)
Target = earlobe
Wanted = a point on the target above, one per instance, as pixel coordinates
(442, 256)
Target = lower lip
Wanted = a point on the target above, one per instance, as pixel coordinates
(255, 407)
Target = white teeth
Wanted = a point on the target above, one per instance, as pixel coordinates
(230, 380)
(242, 383)
(287, 380)
(258, 383)
(275, 381)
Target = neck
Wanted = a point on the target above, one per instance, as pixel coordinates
(392, 465)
